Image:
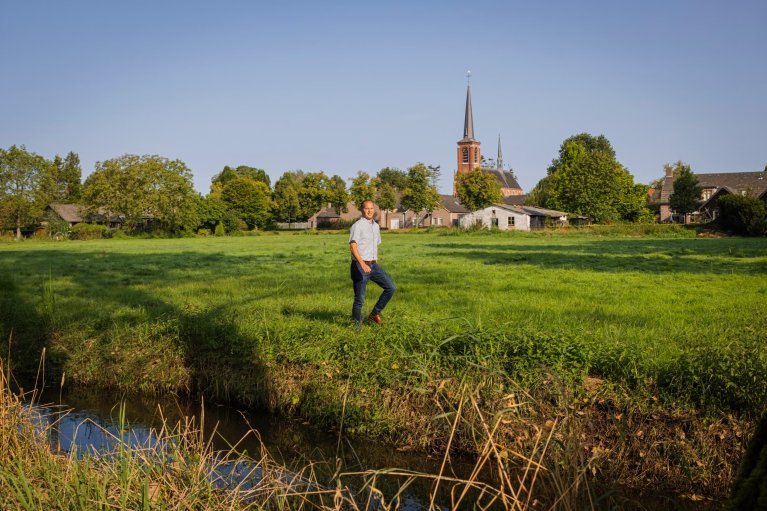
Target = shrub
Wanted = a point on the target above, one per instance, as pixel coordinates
(220, 231)
(203, 232)
(88, 231)
(743, 215)
(117, 234)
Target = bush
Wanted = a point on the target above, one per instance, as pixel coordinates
(117, 234)
(220, 230)
(88, 231)
(743, 215)
(203, 232)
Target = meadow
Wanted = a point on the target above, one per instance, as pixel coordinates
(654, 344)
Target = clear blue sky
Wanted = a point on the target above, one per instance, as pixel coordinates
(348, 86)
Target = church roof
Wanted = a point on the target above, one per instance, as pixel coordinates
(505, 178)
(515, 200)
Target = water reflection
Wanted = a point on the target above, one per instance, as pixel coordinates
(91, 422)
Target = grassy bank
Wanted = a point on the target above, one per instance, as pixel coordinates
(667, 330)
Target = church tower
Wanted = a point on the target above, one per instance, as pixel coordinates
(468, 147)
(469, 157)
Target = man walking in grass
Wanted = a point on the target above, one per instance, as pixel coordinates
(364, 238)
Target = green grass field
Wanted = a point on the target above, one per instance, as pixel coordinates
(667, 323)
(685, 316)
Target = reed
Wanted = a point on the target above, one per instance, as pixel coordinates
(179, 469)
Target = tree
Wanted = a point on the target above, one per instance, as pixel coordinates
(70, 178)
(539, 194)
(228, 174)
(686, 195)
(250, 199)
(393, 177)
(314, 193)
(477, 189)
(420, 194)
(63, 180)
(436, 174)
(145, 190)
(339, 197)
(745, 215)
(362, 189)
(21, 174)
(254, 174)
(287, 207)
(586, 179)
(210, 212)
(387, 197)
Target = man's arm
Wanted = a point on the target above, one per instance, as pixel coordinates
(358, 257)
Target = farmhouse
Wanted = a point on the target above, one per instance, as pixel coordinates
(448, 214)
(712, 186)
(78, 213)
(504, 217)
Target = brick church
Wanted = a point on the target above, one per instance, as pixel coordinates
(469, 156)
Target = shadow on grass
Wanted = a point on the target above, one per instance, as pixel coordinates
(116, 302)
(715, 256)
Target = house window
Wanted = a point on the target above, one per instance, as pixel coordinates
(511, 221)
(466, 155)
(439, 220)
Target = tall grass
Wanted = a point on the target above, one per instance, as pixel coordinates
(179, 469)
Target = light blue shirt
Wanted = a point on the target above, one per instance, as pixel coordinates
(367, 234)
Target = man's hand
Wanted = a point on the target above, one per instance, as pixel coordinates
(355, 253)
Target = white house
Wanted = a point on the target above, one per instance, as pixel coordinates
(506, 217)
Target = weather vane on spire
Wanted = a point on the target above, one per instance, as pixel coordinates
(468, 76)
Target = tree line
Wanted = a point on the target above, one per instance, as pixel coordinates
(156, 193)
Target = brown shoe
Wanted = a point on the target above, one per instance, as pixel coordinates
(375, 318)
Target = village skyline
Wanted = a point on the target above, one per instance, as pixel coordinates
(344, 87)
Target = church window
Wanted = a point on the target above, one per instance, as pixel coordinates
(476, 156)
(466, 155)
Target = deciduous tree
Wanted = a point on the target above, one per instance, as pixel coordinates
(586, 179)
(144, 189)
(314, 193)
(339, 196)
(362, 189)
(477, 189)
(250, 200)
(387, 197)
(420, 194)
(743, 215)
(287, 207)
(21, 175)
(396, 178)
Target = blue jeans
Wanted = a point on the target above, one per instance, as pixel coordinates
(360, 281)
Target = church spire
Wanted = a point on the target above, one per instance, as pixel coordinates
(469, 157)
(468, 121)
(499, 160)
